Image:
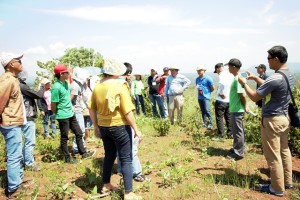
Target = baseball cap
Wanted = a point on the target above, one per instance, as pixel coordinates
(60, 68)
(165, 69)
(5, 58)
(235, 62)
(261, 66)
(217, 66)
(200, 68)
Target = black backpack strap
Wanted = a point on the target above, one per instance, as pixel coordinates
(287, 81)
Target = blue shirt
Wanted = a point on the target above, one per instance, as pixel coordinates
(204, 84)
(176, 85)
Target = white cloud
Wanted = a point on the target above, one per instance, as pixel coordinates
(267, 7)
(129, 14)
(293, 20)
(227, 31)
(36, 50)
(59, 48)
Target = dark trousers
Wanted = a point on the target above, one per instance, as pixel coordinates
(222, 111)
(139, 99)
(64, 126)
(238, 132)
(117, 139)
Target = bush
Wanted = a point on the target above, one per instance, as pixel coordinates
(162, 126)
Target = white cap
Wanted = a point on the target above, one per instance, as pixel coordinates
(200, 68)
(5, 58)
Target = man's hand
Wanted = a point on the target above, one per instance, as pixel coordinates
(97, 132)
(139, 135)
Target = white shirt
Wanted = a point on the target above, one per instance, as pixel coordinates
(225, 80)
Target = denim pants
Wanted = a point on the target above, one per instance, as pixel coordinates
(13, 143)
(222, 111)
(153, 105)
(64, 126)
(80, 120)
(139, 99)
(238, 132)
(117, 139)
(29, 142)
(205, 110)
(49, 115)
(136, 164)
(274, 137)
(162, 105)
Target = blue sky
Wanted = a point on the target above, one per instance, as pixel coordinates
(152, 34)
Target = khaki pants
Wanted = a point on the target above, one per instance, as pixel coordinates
(274, 136)
(176, 102)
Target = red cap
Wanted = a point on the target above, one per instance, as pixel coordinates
(60, 68)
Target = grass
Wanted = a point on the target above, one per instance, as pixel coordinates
(182, 162)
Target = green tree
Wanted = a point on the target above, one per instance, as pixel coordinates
(81, 57)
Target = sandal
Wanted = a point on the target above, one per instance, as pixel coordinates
(141, 178)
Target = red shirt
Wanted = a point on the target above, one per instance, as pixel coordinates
(162, 82)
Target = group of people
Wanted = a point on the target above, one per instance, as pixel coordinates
(111, 112)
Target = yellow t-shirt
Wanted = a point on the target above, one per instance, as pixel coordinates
(111, 100)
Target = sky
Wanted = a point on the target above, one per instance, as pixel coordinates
(151, 34)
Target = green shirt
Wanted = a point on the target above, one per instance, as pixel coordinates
(235, 103)
(137, 87)
(60, 95)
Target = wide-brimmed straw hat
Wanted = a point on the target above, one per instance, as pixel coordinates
(113, 67)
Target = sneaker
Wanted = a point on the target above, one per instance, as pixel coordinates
(141, 178)
(234, 156)
(287, 186)
(209, 127)
(88, 154)
(203, 125)
(218, 139)
(266, 188)
(35, 167)
(71, 160)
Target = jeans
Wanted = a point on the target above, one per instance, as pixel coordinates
(29, 142)
(238, 132)
(274, 137)
(49, 115)
(205, 110)
(13, 143)
(117, 139)
(64, 126)
(139, 99)
(136, 165)
(80, 120)
(222, 110)
(156, 98)
(162, 105)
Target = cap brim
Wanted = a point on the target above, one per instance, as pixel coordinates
(18, 56)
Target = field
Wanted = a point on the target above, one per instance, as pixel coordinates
(182, 161)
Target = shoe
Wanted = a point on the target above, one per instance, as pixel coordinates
(34, 167)
(266, 188)
(47, 136)
(203, 125)
(141, 178)
(88, 154)
(132, 196)
(287, 186)
(71, 160)
(24, 189)
(234, 156)
(218, 139)
(209, 127)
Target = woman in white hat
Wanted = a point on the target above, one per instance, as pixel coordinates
(112, 117)
(137, 91)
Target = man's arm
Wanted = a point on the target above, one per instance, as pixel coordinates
(26, 90)
(131, 120)
(5, 90)
(53, 107)
(93, 116)
(212, 88)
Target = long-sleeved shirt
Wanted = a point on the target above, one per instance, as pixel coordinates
(12, 110)
(176, 85)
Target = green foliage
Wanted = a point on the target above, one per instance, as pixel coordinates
(162, 126)
(50, 151)
(61, 190)
(81, 57)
